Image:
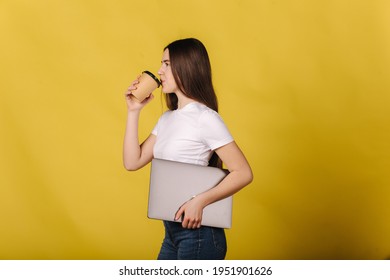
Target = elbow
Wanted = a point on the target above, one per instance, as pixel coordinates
(247, 176)
(251, 177)
(244, 176)
(130, 167)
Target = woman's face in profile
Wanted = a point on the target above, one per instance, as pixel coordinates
(167, 80)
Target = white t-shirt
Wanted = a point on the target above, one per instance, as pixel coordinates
(190, 134)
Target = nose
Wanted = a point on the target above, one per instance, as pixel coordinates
(160, 71)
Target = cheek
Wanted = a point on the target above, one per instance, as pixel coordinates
(170, 80)
(167, 86)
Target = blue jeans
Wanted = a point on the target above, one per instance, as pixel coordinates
(204, 243)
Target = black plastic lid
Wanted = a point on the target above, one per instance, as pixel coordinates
(154, 77)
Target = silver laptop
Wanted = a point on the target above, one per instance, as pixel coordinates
(173, 183)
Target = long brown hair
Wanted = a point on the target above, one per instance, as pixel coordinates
(191, 70)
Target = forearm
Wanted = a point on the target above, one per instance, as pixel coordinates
(240, 174)
(131, 146)
(231, 184)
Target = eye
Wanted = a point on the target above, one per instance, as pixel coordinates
(165, 63)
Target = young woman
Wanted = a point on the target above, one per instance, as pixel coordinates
(190, 131)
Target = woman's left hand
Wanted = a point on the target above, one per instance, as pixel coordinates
(192, 212)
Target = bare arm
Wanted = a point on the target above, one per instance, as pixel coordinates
(135, 155)
(240, 175)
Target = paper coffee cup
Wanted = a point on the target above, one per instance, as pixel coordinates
(147, 84)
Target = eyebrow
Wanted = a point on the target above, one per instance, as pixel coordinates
(166, 60)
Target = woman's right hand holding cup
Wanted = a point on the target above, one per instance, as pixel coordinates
(132, 103)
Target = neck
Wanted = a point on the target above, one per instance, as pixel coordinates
(183, 100)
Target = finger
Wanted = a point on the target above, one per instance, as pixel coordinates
(179, 213)
(196, 224)
(192, 224)
(185, 223)
(128, 95)
(135, 82)
(149, 98)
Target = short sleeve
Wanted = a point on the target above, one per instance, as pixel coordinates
(158, 124)
(213, 131)
(156, 127)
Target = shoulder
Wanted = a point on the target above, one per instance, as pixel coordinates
(202, 110)
(213, 130)
(207, 115)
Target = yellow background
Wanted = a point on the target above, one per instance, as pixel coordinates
(303, 86)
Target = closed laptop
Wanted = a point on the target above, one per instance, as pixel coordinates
(173, 183)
